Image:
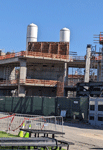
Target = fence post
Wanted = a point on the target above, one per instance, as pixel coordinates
(62, 124)
(55, 123)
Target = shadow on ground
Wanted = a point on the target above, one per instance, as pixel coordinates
(82, 125)
(97, 148)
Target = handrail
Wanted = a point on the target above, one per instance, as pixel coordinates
(35, 54)
(43, 82)
(101, 37)
(29, 81)
(9, 82)
(47, 55)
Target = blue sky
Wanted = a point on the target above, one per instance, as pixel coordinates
(82, 17)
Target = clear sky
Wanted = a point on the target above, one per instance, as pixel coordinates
(84, 18)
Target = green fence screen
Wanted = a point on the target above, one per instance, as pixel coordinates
(49, 106)
(46, 106)
(37, 105)
(2, 104)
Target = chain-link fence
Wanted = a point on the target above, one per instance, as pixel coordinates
(13, 123)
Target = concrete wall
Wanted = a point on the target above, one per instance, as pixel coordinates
(46, 72)
(1, 72)
(5, 93)
(41, 91)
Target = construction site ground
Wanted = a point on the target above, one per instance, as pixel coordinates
(83, 135)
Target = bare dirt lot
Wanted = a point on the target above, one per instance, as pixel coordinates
(84, 136)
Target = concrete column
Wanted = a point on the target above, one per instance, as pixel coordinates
(98, 72)
(12, 74)
(23, 71)
(65, 72)
(21, 88)
(87, 65)
(65, 76)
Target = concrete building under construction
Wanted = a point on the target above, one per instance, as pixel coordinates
(38, 71)
(42, 70)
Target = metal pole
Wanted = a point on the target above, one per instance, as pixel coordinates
(55, 123)
(62, 124)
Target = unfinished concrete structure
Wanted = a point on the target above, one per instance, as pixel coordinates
(38, 71)
(42, 70)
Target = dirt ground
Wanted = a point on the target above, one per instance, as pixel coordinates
(84, 136)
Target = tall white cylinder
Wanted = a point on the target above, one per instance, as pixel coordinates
(32, 31)
(65, 35)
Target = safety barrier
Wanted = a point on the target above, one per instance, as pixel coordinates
(29, 81)
(12, 123)
(43, 82)
(47, 55)
(70, 82)
(73, 58)
(46, 123)
(101, 37)
(7, 56)
(73, 81)
(35, 54)
(44, 55)
(8, 82)
(5, 121)
(78, 58)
